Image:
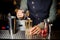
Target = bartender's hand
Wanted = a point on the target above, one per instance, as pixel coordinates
(35, 30)
(20, 14)
(38, 30)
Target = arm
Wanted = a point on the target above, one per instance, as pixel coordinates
(52, 13)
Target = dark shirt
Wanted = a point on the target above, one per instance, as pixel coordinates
(39, 9)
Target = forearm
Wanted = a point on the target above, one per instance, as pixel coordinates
(52, 13)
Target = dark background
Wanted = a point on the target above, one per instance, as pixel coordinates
(7, 6)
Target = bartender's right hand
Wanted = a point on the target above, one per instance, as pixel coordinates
(20, 14)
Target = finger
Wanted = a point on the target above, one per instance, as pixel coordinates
(39, 32)
(36, 30)
(33, 29)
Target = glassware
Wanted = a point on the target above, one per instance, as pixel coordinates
(44, 31)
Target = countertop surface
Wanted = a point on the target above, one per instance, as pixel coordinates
(4, 34)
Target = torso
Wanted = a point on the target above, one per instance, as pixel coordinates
(39, 10)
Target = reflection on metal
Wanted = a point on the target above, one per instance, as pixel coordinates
(14, 28)
(11, 34)
(21, 25)
(49, 36)
(12, 24)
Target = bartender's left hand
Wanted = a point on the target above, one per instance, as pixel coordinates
(35, 30)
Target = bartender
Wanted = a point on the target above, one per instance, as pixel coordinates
(39, 10)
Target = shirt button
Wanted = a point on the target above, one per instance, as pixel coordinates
(36, 15)
(32, 2)
(33, 7)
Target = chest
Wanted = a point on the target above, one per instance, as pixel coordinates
(39, 3)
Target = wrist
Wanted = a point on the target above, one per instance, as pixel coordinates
(41, 25)
(48, 20)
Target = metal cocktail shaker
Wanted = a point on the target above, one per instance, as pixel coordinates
(12, 24)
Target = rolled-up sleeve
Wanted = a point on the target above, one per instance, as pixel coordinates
(52, 13)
